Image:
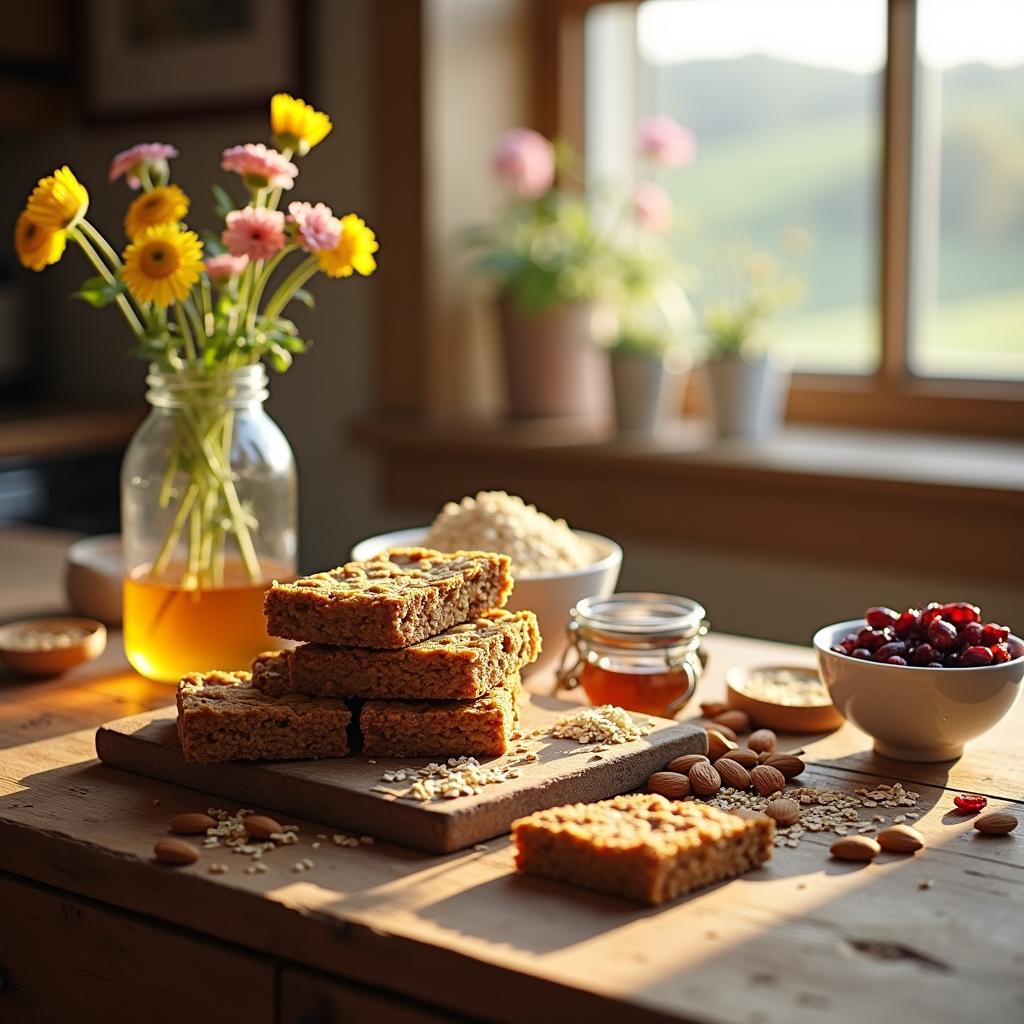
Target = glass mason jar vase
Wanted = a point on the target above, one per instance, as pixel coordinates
(208, 510)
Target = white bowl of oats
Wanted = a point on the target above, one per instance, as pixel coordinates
(554, 566)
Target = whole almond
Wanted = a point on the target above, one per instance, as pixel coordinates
(732, 774)
(175, 851)
(996, 823)
(705, 780)
(685, 762)
(786, 812)
(738, 721)
(260, 827)
(900, 839)
(712, 708)
(718, 744)
(855, 848)
(743, 756)
(192, 824)
(669, 784)
(767, 780)
(788, 764)
(762, 740)
(728, 733)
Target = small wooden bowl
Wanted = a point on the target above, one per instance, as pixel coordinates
(781, 717)
(56, 660)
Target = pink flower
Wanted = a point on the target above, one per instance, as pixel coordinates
(526, 161)
(218, 268)
(317, 226)
(665, 141)
(261, 167)
(255, 232)
(131, 162)
(652, 206)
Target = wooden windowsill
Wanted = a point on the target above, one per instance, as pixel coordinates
(830, 495)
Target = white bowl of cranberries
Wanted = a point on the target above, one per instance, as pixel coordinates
(924, 681)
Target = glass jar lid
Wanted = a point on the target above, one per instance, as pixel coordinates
(638, 621)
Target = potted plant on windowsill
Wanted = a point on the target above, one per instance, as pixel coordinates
(747, 383)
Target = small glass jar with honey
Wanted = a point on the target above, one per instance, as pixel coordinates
(639, 651)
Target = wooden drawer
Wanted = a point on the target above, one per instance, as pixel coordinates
(308, 998)
(66, 961)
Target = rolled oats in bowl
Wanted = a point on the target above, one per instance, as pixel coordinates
(495, 521)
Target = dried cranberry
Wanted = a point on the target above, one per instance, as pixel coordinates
(1015, 646)
(951, 660)
(970, 635)
(970, 802)
(975, 656)
(924, 654)
(932, 611)
(1000, 654)
(960, 612)
(942, 635)
(890, 650)
(993, 633)
(895, 660)
(848, 643)
(872, 639)
(935, 664)
(880, 617)
(861, 653)
(908, 623)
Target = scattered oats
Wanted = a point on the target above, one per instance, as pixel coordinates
(480, 848)
(925, 883)
(320, 835)
(256, 868)
(308, 863)
(877, 817)
(604, 724)
(299, 866)
(340, 840)
(210, 842)
(284, 838)
(913, 817)
(315, 846)
(370, 760)
(899, 819)
(366, 840)
(792, 842)
(218, 869)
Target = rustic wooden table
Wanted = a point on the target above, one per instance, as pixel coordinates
(93, 930)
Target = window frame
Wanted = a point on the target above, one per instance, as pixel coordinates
(892, 397)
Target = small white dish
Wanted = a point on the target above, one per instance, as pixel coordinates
(94, 577)
(550, 597)
(912, 713)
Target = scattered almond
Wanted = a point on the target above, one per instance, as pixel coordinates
(718, 744)
(855, 848)
(900, 839)
(738, 721)
(744, 756)
(191, 824)
(705, 780)
(767, 780)
(790, 765)
(260, 827)
(672, 785)
(996, 823)
(729, 734)
(732, 773)
(786, 812)
(684, 763)
(712, 708)
(175, 852)
(762, 740)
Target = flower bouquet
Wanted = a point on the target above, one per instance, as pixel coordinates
(208, 481)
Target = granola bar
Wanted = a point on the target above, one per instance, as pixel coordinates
(396, 599)
(463, 663)
(222, 717)
(451, 728)
(643, 847)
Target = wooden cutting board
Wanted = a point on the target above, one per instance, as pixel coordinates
(341, 792)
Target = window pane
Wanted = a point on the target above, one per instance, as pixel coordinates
(969, 190)
(784, 98)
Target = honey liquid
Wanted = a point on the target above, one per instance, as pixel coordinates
(170, 630)
(652, 693)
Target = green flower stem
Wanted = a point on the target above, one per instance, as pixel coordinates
(166, 485)
(261, 283)
(163, 557)
(186, 334)
(104, 271)
(198, 328)
(290, 285)
(206, 305)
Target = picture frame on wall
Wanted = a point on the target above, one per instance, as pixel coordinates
(189, 58)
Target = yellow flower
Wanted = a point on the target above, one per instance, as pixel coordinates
(296, 125)
(164, 205)
(59, 201)
(354, 251)
(162, 264)
(37, 247)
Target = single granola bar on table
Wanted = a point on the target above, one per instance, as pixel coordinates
(394, 600)
(450, 728)
(463, 663)
(643, 847)
(222, 717)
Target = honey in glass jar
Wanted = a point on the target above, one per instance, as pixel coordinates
(639, 651)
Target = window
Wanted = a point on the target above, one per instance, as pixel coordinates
(891, 130)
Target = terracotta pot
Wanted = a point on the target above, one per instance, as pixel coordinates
(552, 365)
(747, 397)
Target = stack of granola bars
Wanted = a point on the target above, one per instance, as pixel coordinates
(411, 653)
